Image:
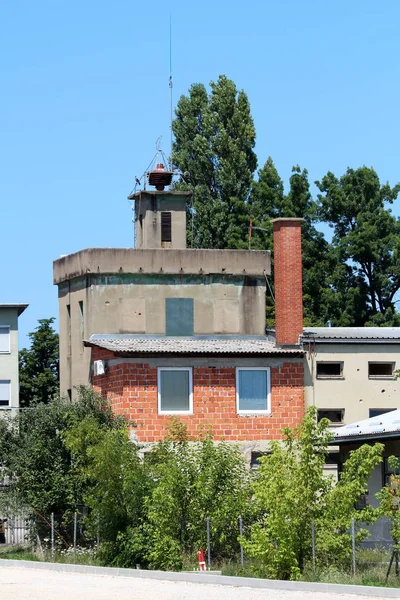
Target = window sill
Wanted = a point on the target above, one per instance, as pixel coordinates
(386, 377)
(340, 377)
(174, 412)
(253, 413)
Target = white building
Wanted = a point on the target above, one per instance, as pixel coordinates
(9, 382)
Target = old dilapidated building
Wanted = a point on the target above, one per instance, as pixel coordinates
(165, 330)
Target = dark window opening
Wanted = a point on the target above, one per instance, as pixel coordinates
(380, 369)
(179, 316)
(335, 415)
(254, 460)
(375, 412)
(69, 394)
(329, 369)
(362, 502)
(166, 227)
(81, 319)
(388, 470)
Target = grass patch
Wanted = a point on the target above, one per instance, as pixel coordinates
(17, 553)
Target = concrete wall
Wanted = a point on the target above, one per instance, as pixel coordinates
(354, 392)
(9, 362)
(148, 209)
(136, 304)
(253, 263)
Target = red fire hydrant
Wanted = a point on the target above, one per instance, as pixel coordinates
(200, 558)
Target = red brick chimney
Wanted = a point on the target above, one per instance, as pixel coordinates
(288, 280)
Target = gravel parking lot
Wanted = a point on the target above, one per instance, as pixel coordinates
(31, 584)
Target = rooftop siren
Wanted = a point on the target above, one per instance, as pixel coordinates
(160, 177)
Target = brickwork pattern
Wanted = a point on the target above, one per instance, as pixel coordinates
(132, 391)
(288, 280)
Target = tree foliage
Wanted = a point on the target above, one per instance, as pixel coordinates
(39, 365)
(366, 239)
(352, 281)
(291, 491)
(214, 141)
(39, 463)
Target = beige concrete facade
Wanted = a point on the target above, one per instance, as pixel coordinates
(169, 261)
(149, 206)
(125, 291)
(9, 359)
(354, 391)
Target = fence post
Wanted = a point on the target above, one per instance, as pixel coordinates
(52, 535)
(75, 529)
(208, 543)
(353, 543)
(241, 547)
(313, 544)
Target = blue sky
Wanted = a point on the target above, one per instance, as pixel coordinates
(84, 96)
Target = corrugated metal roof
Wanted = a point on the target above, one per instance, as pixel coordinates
(352, 333)
(375, 427)
(136, 344)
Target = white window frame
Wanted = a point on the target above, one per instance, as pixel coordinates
(267, 411)
(8, 406)
(7, 327)
(175, 412)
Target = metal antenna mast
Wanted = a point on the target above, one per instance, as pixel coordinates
(170, 85)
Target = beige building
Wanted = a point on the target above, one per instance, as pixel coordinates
(350, 372)
(9, 381)
(159, 288)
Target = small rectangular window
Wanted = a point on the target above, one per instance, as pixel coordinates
(255, 459)
(4, 339)
(253, 393)
(81, 320)
(375, 412)
(166, 227)
(69, 394)
(179, 316)
(329, 370)
(381, 369)
(175, 394)
(69, 329)
(5, 392)
(388, 470)
(335, 415)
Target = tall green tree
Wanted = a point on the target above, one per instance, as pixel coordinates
(214, 141)
(39, 365)
(366, 239)
(322, 295)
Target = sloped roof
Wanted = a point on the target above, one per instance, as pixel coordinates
(352, 333)
(381, 426)
(222, 345)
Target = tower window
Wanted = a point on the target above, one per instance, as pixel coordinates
(166, 227)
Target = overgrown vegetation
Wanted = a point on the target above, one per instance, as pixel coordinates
(152, 509)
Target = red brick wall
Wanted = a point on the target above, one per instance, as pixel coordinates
(132, 390)
(288, 280)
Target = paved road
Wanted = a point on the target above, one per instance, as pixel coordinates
(31, 584)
